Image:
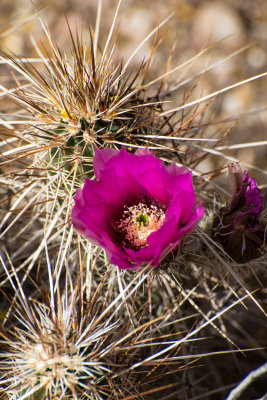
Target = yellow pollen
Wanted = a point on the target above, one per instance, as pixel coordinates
(65, 115)
(136, 232)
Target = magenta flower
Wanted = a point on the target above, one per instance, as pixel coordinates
(238, 226)
(137, 209)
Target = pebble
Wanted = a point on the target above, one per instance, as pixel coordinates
(215, 21)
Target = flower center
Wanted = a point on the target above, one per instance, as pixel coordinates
(138, 222)
(142, 220)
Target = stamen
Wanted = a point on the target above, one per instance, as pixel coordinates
(138, 222)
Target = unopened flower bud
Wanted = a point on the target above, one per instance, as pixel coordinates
(235, 176)
(238, 226)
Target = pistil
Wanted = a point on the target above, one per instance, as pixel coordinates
(138, 222)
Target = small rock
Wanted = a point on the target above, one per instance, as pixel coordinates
(215, 21)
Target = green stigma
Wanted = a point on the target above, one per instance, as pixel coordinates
(142, 220)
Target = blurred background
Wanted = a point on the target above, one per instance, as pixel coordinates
(195, 24)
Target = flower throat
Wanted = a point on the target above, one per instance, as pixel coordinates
(138, 222)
